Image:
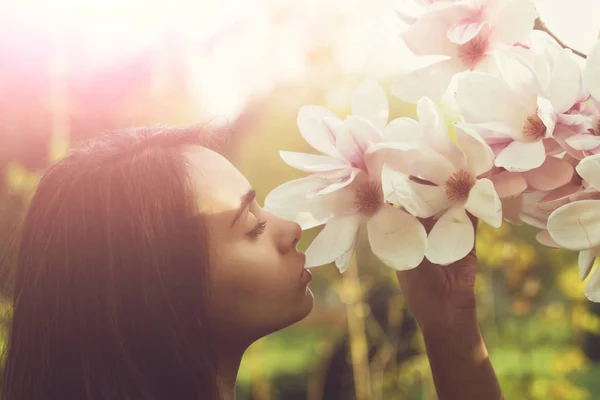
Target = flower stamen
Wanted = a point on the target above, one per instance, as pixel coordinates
(459, 185)
(534, 128)
(368, 197)
(473, 51)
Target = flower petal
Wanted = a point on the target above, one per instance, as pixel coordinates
(370, 101)
(465, 30)
(484, 203)
(436, 133)
(312, 162)
(451, 238)
(553, 173)
(576, 226)
(290, 201)
(583, 141)
(543, 237)
(431, 81)
(314, 129)
(585, 260)
(403, 129)
(334, 181)
(515, 21)
(592, 288)
(521, 156)
(565, 83)
(591, 75)
(509, 184)
(519, 74)
(420, 200)
(428, 35)
(397, 238)
(589, 170)
(355, 138)
(483, 97)
(480, 157)
(334, 241)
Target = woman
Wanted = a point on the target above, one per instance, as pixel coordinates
(146, 268)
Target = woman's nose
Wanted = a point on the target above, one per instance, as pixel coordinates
(290, 236)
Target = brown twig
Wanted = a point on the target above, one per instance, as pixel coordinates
(541, 26)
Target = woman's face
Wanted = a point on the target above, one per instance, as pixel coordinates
(258, 281)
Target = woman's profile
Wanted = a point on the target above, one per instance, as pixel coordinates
(146, 268)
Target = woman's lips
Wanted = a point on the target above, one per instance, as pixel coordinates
(305, 275)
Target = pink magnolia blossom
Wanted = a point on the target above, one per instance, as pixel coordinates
(467, 33)
(515, 112)
(455, 185)
(344, 191)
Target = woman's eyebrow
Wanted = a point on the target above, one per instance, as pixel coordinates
(245, 201)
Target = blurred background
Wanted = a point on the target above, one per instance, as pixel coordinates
(70, 69)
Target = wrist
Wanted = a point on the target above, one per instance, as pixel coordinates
(449, 320)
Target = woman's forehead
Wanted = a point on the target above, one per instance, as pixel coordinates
(217, 183)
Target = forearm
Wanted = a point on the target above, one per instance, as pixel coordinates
(459, 360)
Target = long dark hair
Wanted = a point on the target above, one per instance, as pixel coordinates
(110, 296)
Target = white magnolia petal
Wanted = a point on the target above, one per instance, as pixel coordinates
(543, 237)
(290, 201)
(483, 202)
(521, 156)
(397, 238)
(312, 162)
(465, 31)
(565, 82)
(370, 101)
(585, 261)
(354, 140)
(403, 129)
(343, 262)
(420, 200)
(519, 74)
(591, 75)
(576, 226)
(427, 36)
(334, 241)
(515, 21)
(431, 81)
(483, 97)
(583, 141)
(480, 157)
(406, 18)
(545, 111)
(436, 133)
(451, 238)
(314, 129)
(592, 288)
(589, 170)
(335, 181)
(509, 184)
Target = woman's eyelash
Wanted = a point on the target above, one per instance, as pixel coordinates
(259, 228)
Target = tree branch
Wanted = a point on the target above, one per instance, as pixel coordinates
(541, 26)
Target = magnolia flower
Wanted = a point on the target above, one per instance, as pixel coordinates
(345, 191)
(513, 112)
(455, 185)
(576, 225)
(591, 73)
(467, 33)
(582, 137)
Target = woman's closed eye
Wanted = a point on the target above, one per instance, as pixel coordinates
(259, 228)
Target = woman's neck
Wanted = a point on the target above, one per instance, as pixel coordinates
(230, 358)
